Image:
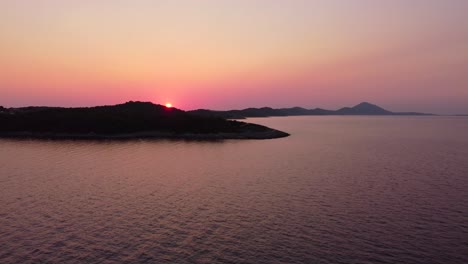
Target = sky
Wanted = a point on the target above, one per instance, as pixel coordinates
(230, 54)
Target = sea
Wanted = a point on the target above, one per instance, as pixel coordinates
(340, 189)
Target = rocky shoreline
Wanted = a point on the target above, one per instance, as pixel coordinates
(269, 134)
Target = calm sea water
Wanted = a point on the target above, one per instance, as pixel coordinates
(339, 190)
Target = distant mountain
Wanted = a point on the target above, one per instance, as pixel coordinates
(364, 108)
(129, 120)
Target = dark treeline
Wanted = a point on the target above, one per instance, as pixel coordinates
(130, 117)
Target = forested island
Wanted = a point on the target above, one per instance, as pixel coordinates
(124, 121)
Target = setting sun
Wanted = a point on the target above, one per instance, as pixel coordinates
(168, 105)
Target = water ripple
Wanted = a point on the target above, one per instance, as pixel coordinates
(340, 190)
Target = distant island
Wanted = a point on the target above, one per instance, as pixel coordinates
(360, 109)
(124, 121)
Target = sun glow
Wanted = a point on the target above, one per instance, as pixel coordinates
(168, 105)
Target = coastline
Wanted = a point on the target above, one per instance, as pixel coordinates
(269, 134)
(131, 120)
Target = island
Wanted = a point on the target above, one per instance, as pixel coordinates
(363, 108)
(131, 120)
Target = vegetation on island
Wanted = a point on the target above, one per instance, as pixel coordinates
(128, 120)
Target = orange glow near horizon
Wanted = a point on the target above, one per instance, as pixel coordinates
(168, 105)
(236, 53)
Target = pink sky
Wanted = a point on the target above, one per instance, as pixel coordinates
(402, 55)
